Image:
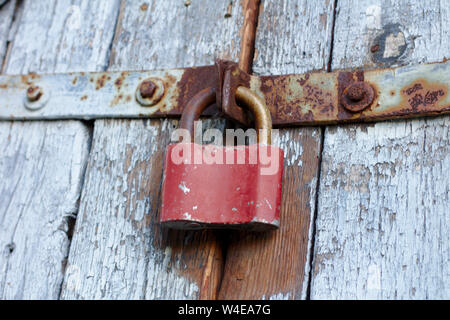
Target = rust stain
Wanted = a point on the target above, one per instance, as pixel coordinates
(193, 81)
(24, 79)
(118, 83)
(28, 78)
(286, 104)
(144, 7)
(423, 95)
(117, 99)
(34, 76)
(301, 100)
(304, 80)
(101, 81)
(418, 98)
(374, 48)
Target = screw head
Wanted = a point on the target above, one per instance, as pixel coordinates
(150, 91)
(34, 93)
(147, 89)
(355, 93)
(357, 96)
(36, 96)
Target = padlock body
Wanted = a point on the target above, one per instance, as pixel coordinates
(208, 186)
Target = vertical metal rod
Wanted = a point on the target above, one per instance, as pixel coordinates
(251, 12)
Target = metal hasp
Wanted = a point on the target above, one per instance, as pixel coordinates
(304, 99)
(357, 96)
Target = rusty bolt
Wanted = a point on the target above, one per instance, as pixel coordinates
(355, 93)
(34, 93)
(150, 91)
(36, 97)
(357, 96)
(147, 89)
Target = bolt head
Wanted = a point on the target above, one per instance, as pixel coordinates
(36, 97)
(150, 91)
(357, 96)
(34, 93)
(355, 93)
(147, 88)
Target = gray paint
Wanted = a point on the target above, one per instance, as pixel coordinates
(383, 216)
(43, 162)
(118, 251)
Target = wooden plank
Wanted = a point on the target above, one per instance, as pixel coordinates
(383, 218)
(119, 251)
(6, 18)
(42, 165)
(63, 37)
(292, 37)
(43, 162)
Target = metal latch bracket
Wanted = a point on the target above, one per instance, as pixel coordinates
(299, 99)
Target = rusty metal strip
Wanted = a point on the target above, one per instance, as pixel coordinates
(306, 99)
(317, 98)
(99, 95)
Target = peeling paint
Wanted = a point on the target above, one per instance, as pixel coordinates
(184, 188)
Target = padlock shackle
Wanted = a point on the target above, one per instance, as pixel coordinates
(245, 96)
(195, 107)
(261, 113)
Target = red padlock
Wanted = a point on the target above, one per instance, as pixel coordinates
(208, 186)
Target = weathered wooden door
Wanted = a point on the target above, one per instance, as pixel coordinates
(366, 208)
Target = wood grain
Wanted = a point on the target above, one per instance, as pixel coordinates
(291, 37)
(6, 18)
(43, 163)
(383, 215)
(123, 252)
(119, 250)
(63, 37)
